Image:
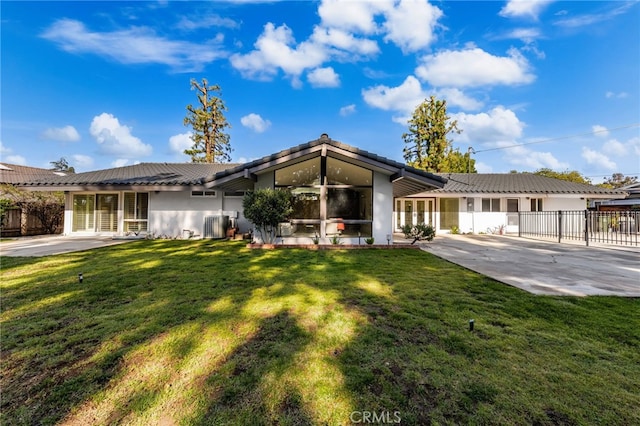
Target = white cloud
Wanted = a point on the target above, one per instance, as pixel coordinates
(255, 123)
(402, 99)
(524, 8)
(356, 16)
(496, 126)
(600, 130)
(347, 110)
(273, 51)
(120, 162)
(473, 67)
(591, 19)
(483, 168)
(82, 161)
(634, 144)
(597, 159)
(16, 159)
(528, 35)
(614, 147)
(456, 97)
(411, 24)
(4, 149)
(136, 45)
(178, 143)
(61, 134)
(205, 21)
(323, 77)
(613, 95)
(116, 139)
(332, 37)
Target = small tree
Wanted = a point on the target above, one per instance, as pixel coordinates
(210, 142)
(426, 143)
(266, 209)
(421, 231)
(62, 165)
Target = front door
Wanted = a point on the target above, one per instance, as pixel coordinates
(414, 211)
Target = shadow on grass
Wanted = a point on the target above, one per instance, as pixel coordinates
(201, 332)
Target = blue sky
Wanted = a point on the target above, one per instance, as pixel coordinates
(106, 84)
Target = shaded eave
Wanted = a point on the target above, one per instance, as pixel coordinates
(405, 180)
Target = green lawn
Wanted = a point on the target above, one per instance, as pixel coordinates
(202, 332)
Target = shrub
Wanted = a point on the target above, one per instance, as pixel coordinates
(421, 231)
(266, 209)
(369, 241)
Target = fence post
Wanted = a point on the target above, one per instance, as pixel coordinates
(586, 227)
(519, 225)
(559, 226)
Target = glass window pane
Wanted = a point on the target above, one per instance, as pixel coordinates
(129, 205)
(512, 205)
(495, 204)
(306, 173)
(142, 205)
(350, 203)
(448, 212)
(343, 173)
(83, 212)
(305, 203)
(486, 205)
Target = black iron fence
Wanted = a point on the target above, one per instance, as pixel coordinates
(605, 227)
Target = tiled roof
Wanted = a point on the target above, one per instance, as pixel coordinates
(13, 173)
(138, 174)
(516, 183)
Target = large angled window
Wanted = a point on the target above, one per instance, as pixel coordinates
(329, 194)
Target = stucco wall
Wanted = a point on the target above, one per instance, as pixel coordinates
(172, 212)
(382, 207)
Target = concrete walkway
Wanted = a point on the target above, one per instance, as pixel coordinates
(542, 267)
(53, 244)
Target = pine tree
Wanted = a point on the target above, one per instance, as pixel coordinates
(210, 142)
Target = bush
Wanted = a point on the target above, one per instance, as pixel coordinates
(419, 232)
(369, 241)
(266, 209)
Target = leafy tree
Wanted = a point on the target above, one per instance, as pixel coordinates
(426, 143)
(618, 180)
(48, 207)
(266, 209)
(210, 142)
(568, 175)
(62, 166)
(457, 162)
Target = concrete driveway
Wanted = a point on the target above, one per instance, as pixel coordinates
(53, 244)
(542, 267)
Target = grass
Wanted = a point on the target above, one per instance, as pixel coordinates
(202, 332)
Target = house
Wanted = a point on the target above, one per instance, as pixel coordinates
(631, 202)
(479, 202)
(336, 190)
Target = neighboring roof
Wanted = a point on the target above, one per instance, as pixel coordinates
(143, 174)
(406, 180)
(518, 183)
(14, 173)
(632, 189)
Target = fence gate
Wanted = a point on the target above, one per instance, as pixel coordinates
(604, 227)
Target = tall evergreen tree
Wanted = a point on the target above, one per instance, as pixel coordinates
(210, 142)
(426, 143)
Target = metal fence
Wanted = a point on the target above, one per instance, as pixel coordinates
(605, 227)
